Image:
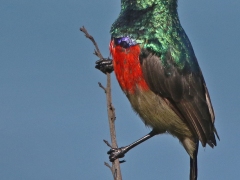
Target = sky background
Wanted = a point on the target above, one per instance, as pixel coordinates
(53, 115)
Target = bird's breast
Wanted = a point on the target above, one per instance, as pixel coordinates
(127, 67)
(152, 108)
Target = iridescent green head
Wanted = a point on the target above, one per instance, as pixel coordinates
(143, 4)
(155, 25)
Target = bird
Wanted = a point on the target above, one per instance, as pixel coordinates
(156, 68)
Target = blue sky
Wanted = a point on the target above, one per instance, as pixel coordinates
(53, 114)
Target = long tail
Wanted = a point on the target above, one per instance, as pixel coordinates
(193, 164)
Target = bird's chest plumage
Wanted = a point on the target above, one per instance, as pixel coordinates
(127, 68)
(152, 109)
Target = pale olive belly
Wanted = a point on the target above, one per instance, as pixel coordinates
(156, 113)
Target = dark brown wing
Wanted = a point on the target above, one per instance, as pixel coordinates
(185, 89)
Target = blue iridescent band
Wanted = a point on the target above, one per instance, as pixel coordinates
(125, 42)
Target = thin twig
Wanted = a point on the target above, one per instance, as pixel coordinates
(111, 120)
(115, 169)
(107, 143)
(97, 51)
(106, 164)
(101, 86)
(111, 169)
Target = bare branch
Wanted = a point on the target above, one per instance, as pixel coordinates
(115, 174)
(96, 51)
(115, 169)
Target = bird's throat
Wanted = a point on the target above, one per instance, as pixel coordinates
(127, 68)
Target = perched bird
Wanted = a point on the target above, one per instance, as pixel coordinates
(157, 69)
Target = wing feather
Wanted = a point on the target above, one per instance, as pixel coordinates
(185, 90)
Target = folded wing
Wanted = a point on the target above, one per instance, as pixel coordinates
(185, 88)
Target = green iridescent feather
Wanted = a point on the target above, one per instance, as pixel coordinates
(155, 25)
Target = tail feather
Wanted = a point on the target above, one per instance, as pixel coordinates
(193, 164)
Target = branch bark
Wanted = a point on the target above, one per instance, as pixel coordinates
(115, 168)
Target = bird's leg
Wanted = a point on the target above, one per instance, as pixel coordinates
(116, 153)
(104, 65)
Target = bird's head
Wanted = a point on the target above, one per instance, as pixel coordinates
(143, 4)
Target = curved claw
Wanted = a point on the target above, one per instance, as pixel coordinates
(116, 153)
(104, 65)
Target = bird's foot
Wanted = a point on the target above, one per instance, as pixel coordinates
(115, 153)
(104, 65)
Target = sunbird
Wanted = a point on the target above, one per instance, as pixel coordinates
(156, 68)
